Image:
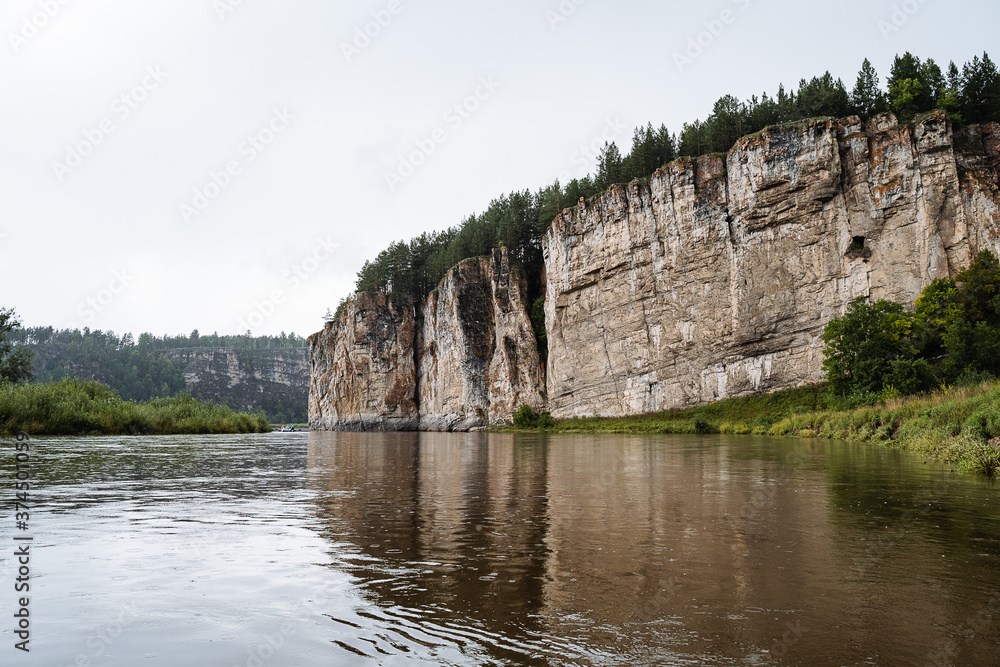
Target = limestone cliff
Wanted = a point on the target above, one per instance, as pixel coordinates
(478, 357)
(363, 375)
(717, 278)
(468, 361)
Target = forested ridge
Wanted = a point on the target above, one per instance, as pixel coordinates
(151, 366)
(518, 221)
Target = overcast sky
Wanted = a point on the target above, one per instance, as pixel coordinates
(168, 165)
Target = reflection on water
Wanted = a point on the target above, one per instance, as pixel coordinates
(469, 549)
(658, 550)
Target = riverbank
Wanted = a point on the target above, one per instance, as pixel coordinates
(958, 425)
(76, 407)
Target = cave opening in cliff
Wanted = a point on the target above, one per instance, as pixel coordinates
(859, 249)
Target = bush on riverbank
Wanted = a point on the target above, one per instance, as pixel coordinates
(958, 425)
(78, 407)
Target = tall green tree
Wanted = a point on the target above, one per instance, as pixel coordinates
(823, 96)
(867, 98)
(905, 95)
(936, 309)
(861, 345)
(980, 95)
(978, 287)
(15, 363)
(910, 90)
(610, 166)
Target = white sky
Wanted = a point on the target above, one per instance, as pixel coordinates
(104, 243)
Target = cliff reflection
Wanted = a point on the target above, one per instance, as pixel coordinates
(654, 550)
(446, 523)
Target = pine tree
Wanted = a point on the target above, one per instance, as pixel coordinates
(980, 95)
(867, 98)
(822, 96)
(910, 89)
(609, 166)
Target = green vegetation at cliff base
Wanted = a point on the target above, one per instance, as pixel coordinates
(78, 407)
(957, 425)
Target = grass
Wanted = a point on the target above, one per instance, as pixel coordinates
(958, 425)
(78, 407)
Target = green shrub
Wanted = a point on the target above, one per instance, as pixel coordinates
(701, 424)
(911, 376)
(78, 407)
(525, 417)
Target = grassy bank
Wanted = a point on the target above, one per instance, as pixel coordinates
(76, 407)
(958, 425)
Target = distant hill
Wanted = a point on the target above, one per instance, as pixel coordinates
(269, 373)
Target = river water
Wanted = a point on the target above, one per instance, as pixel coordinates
(476, 549)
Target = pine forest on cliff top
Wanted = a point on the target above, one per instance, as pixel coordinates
(518, 221)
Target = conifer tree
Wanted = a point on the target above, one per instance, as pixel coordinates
(867, 98)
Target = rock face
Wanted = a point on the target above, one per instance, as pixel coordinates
(469, 361)
(363, 375)
(274, 380)
(717, 278)
(478, 356)
(714, 280)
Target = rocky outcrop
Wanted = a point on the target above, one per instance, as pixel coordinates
(363, 375)
(468, 361)
(478, 356)
(713, 280)
(717, 278)
(273, 380)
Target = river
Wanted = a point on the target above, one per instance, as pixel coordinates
(485, 549)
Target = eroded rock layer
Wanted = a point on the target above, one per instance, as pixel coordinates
(717, 278)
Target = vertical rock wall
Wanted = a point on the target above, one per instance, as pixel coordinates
(478, 356)
(468, 362)
(714, 280)
(363, 375)
(717, 278)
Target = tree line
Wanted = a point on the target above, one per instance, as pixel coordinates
(136, 369)
(519, 220)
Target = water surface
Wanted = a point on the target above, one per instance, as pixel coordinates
(476, 549)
